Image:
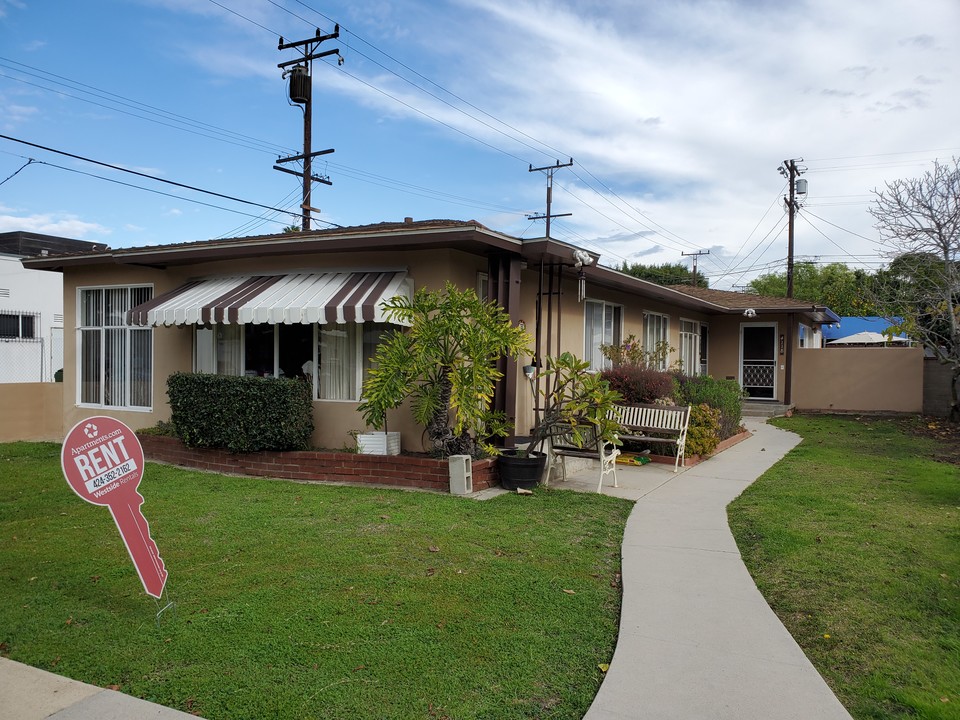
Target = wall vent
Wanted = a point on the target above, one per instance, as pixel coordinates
(4, 292)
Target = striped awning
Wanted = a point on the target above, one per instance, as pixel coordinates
(330, 297)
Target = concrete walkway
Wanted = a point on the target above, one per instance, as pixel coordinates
(697, 640)
(27, 693)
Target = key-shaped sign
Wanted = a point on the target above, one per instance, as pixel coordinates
(103, 463)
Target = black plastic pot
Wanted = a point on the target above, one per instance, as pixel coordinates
(521, 472)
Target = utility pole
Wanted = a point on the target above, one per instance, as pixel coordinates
(695, 255)
(791, 172)
(300, 74)
(550, 169)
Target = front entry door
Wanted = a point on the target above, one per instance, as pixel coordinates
(758, 365)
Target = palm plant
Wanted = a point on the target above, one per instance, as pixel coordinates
(445, 363)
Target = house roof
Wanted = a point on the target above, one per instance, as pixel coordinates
(761, 304)
(408, 235)
(29, 244)
(468, 236)
(866, 337)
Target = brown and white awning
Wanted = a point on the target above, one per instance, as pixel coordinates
(329, 297)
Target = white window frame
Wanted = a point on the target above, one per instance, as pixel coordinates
(128, 331)
(804, 335)
(664, 335)
(692, 338)
(591, 351)
(483, 285)
(703, 361)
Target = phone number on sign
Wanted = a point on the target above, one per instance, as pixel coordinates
(111, 475)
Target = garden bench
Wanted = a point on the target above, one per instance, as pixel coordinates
(668, 424)
(562, 447)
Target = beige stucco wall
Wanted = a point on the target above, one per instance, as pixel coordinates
(173, 346)
(859, 379)
(31, 411)
(571, 339)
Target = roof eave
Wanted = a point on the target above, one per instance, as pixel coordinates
(471, 237)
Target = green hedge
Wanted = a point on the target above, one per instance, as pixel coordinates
(241, 414)
(724, 395)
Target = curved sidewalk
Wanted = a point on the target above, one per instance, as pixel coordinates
(697, 640)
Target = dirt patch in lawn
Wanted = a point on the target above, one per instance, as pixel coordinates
(944, 433)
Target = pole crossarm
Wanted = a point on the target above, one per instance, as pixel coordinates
(550, 169)
(294, 158)
(304, 77)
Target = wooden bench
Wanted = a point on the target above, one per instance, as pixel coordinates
(667, 423)
(562, 447)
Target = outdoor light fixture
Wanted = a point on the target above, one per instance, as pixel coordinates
(750, 313)
(530, 372)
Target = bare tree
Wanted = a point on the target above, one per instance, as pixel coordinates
(919, 224)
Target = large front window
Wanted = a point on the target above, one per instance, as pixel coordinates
(603, 326)
(334, 358)
(115, 360)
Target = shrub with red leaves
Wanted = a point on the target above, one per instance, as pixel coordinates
(639, 384)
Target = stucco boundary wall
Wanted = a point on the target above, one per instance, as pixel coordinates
(31, 411)
(859, 380)
(404, 471)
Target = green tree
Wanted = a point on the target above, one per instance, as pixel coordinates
(844, 290)
(919, 224)
(445, 362)
(666, 274)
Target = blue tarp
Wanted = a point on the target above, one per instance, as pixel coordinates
(852, 325)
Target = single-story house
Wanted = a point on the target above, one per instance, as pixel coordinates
(307, 305)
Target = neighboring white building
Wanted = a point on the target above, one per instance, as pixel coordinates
(31, 307)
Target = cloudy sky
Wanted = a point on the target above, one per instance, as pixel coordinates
(676, 115)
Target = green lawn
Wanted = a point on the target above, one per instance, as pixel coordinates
(854, 539)
(302, 601)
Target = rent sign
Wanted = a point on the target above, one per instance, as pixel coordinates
(103, 462)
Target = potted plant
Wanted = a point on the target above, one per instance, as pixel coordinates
(444, 362)
(576, 405)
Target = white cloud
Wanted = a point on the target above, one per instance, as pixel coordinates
(676, 114)
(52, 224)
(6, 5)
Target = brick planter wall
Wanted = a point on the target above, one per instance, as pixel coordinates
(320, 466)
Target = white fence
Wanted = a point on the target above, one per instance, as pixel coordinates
(30, 360)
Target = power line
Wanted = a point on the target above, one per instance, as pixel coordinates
(122, 100)
(458, 109)
(851, 232)
(142, 174)
(29, 161)
(140, 187)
